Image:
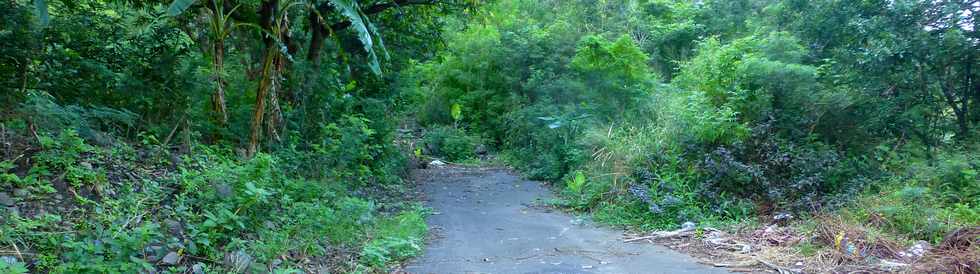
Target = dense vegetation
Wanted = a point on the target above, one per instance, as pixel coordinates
(651, 113)
(262, 135)
(208, 136)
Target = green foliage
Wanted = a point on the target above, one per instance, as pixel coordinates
(576, 183)
(13, 268)
(62, 155)
(756, 110)
(221, 205)
(758, 77)
(367, 34)
(452, 143)
(456, 112)
(396, 239)
(92, 123)
(547, 132)
(111, 154)
(914, 212)
(618, 60)
(617, 71)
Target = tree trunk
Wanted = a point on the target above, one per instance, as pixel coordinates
(267, 14)
(218, 105)
(274, 121)
(316, 38)
(260, 96)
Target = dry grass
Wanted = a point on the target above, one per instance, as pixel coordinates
(850, 248)
(958, 253)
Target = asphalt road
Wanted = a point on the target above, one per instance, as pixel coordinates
(492, 221)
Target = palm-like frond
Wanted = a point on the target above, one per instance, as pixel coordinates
(366, 32)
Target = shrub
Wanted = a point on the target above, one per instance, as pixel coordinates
(921, 199)
(449, 142)
(90, 122)
(396, 238)
(549, 133)
(766, 168)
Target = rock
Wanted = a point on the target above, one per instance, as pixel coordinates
(480, 150)
(153, 253)
(174, 227)
(688, 225)
(20, 192)
(170, 259)
(238, 261)
(6, 200)
(197, 268)
(86, 165)
(437, 163)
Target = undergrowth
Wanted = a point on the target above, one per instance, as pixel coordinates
(126, 208)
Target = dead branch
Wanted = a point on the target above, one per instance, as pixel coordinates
(683, 232)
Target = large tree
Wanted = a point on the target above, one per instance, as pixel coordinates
(275, 21)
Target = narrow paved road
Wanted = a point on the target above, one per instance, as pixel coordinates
(490, 221)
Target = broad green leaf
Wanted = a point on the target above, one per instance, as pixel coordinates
(457, 112)
(576, 183)
(377, 36)
(179, 6)
(359, 22)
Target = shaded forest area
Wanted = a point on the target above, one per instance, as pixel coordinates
(208, 136)
(185, 136)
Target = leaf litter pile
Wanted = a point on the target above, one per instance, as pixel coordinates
(847, 249)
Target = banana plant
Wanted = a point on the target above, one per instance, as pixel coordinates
(350, 10)
(366, 32)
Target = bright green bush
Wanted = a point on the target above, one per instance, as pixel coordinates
(396, 238)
